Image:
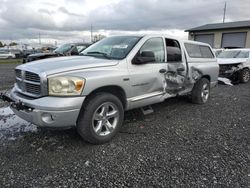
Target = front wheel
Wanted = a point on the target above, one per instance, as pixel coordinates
(201, 91)
(101, 118)
(244, 75)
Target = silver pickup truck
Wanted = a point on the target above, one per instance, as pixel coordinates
(118, 73)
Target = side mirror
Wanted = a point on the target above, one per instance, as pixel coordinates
(144, 57)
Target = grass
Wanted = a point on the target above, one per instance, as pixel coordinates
(6, 61)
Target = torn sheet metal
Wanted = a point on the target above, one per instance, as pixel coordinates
(229, 70)
(195, 74)
(225, 81)
(175, 78)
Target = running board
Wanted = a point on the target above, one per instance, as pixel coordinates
(147, 110)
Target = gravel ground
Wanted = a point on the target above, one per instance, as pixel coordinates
(7, 77)
(179, 145)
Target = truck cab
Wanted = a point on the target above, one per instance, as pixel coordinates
(119, 73)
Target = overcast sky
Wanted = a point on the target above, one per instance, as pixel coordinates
(61, 20)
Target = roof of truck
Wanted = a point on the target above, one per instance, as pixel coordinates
(165, 35)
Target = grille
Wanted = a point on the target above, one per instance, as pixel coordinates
(19, 83)
(32, 77)
(31, 88)
(18, 73)
(28, 83)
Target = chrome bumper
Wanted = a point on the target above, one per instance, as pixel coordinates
(48, 111)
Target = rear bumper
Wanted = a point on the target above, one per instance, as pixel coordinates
(47, 111)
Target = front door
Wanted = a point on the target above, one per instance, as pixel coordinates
(147, 78)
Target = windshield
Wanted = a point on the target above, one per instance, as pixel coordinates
(113, 47)
(64, 48)
(234, 54)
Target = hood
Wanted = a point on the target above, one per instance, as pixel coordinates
(225, 61)
(65, 64)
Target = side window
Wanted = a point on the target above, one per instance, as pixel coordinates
(153, 47)
(173, 51)
(206, 52)
(198, 51)
(193, 50)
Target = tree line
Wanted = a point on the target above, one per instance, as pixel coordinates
(11, 44)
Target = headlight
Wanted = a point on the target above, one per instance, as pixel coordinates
(65, 86)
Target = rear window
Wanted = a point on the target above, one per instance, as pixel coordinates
(198, 51)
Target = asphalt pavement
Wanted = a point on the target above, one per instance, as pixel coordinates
(180, 145)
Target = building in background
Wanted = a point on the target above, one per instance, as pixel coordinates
(223, 35)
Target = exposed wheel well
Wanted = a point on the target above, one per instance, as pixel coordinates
(207, 77)
(246, 68)
(115, 90)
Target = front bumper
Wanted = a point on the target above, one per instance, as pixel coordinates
(47, 111)
(230, 70)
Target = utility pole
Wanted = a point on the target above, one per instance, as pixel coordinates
(225, 10)
(39, 38)
(91, 33)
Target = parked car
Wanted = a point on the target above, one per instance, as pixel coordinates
(27, 52)
(6, 55)
(116, 74)
(218, 51)
(235, 64)
(64, 50)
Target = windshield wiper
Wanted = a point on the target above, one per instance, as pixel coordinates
(101, 53)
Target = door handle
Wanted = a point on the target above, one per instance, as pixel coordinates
(162, 71)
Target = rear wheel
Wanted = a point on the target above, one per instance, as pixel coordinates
(244, 75)
(201, 91)
(101, 118)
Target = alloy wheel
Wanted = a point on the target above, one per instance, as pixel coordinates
(105, 119)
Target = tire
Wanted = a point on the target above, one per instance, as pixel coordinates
(94, 124)
(9, 57)
(201, 91)
(244, 75)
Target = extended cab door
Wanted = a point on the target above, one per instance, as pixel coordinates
(147, 66)
(176, 74)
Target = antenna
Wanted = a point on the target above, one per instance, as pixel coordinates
(225, 10)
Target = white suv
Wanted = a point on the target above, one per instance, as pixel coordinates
(6, 55)
(235, 64)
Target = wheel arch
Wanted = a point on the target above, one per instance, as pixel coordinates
(112, 89)
(207, 77)
(248, 68)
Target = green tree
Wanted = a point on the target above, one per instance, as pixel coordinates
(13, 44)
(1, 44)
